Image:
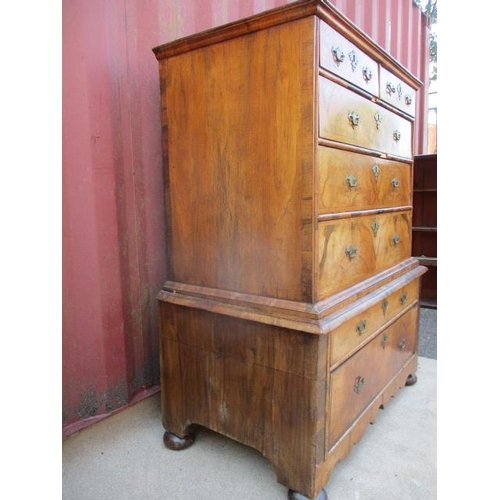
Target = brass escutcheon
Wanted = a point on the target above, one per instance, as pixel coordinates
(378, 119)
(395, 183)
(400, 91)
(396, 239)
(403, 298)
(396, 135)
(408, 99)
(402, 344)
(354, 59)
(375, 227)
(385, 303)
(376, 171)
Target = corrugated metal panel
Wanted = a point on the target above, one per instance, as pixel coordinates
(114, 239)
(113, 215)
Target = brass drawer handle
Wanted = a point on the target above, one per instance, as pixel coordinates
(352, 181)
(376, 171)
(390, 88)
(396, 239)
(395, 183)
(403, 298)
(408, 99)
(402, 344)
(338, 55)
(385, 338)
(354, 60)
(351, 251)
(385, 303)
(378, 119)
(367, 74)
(375, 227)
(396, 135)
(358, 383)
(361, 327)
(353, 118)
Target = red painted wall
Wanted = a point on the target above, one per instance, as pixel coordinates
(113, 212)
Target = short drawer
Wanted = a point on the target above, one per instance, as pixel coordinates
(341, 57)
(347, 117)
(350, 181)
(396, 92)
(354, 384)
(353, 249)
(358, 330)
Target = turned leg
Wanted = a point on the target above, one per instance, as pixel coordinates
(412, 379)
(177, 443)
(295, 495)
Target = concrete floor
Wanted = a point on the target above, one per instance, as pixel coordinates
(427, 346)
(123, 457)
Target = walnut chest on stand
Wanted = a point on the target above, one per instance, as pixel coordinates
(290, 315)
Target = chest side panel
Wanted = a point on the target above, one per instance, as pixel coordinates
(239, 122)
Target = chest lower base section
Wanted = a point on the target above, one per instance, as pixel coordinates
(266, 378)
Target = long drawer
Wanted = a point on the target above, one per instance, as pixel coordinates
(351, 181)
(353, 249)
(354, 384)
(347, 117)
(348, 337)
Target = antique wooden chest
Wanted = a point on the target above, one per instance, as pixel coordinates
(290, 314)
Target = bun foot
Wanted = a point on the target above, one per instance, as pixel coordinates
(411, 380)
(295, 495)
(176, 443)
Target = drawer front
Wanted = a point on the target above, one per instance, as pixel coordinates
(353, 249)
(348, 337)
(341, 57)
(351, 181)
(350, 118)
(396, 92)
(354, 384)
